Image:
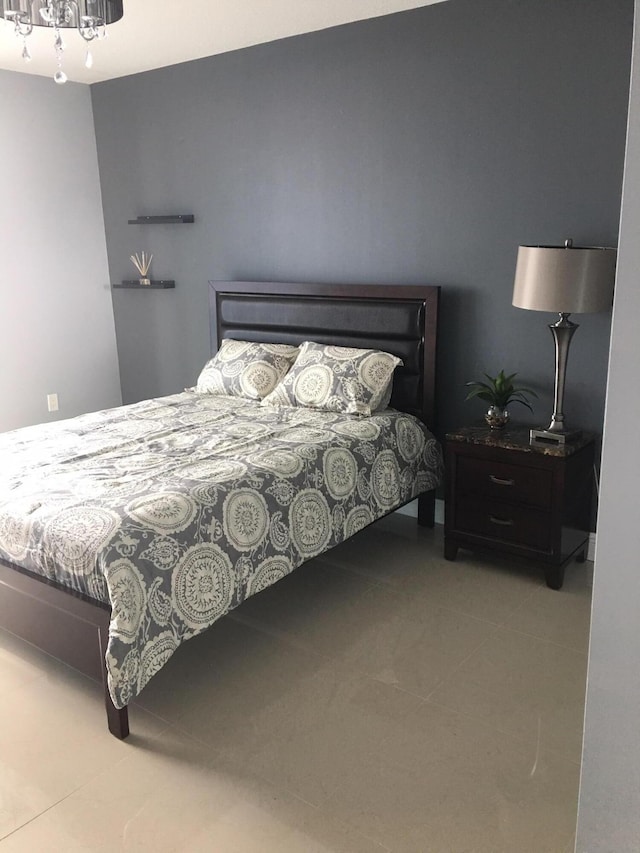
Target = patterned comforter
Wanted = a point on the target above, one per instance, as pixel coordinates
(177, 509)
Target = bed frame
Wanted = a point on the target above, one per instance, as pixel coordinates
(398, 319)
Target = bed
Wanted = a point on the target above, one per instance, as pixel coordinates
(143, 501)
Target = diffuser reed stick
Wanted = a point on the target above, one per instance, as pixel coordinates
(142, 263)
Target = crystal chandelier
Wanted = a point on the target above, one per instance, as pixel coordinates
(89, 17)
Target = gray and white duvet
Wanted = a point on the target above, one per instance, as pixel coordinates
(175, 510)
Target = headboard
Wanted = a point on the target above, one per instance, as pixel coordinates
(401, 319)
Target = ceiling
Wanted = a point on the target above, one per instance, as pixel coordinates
(153, 33)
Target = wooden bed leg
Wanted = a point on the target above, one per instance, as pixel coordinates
(427, 508)
(117, 718)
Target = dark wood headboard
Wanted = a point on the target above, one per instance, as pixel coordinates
(401, 319)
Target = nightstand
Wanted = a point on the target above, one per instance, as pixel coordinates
(508, 496)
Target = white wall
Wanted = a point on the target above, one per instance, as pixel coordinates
(56, 313)
(609, 810)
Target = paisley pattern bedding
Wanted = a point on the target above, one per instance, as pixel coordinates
(175, 510)
(337, 379)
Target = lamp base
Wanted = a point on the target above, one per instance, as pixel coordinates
(547, 436)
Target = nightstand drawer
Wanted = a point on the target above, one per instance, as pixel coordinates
(504, 481)
(504, 521)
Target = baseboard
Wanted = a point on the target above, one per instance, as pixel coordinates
(591, 550)
(412, 510)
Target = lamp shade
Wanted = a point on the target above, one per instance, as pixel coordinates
(564, 279)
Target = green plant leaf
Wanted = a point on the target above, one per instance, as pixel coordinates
(500, 390)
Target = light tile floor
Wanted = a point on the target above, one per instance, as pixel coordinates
(377, 699)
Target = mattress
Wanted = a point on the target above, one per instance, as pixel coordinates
(175, 510)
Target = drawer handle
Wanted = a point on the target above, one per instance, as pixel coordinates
(504, 522)
(500, 482)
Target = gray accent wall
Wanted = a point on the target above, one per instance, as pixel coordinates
(56, 315)
(609, 810)
(418, 147)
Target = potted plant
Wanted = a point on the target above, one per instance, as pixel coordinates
(499, 391)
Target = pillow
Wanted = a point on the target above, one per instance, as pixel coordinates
(243, 369)
(337, 379)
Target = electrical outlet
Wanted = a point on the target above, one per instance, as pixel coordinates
(52, 402)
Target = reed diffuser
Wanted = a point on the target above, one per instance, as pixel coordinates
(142, 263)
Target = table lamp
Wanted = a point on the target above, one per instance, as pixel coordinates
(568, 280)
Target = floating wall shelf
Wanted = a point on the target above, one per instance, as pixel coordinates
(155, 285)
(176, 218)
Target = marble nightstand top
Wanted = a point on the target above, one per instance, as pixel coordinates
(517, 438)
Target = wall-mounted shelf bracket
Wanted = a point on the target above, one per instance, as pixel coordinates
(155, 284)
(176, 218)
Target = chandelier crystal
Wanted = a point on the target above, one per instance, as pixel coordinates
(88, 17)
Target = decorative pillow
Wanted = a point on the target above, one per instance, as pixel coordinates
(337, 379)
(243, 369)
